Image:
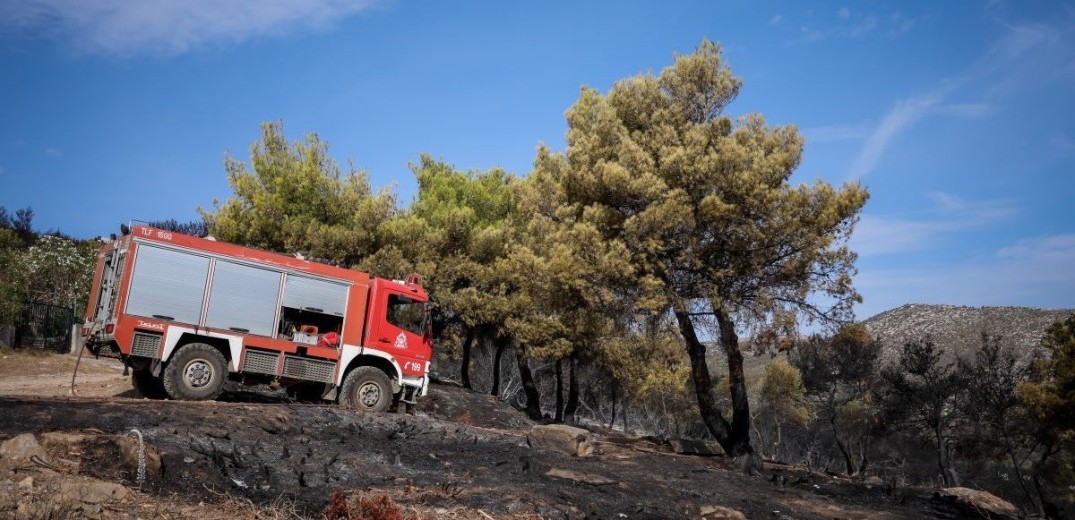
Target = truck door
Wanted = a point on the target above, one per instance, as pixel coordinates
(397, 326)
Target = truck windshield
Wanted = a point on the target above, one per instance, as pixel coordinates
(407, 314)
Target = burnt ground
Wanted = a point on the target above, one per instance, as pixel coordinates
(462, 454)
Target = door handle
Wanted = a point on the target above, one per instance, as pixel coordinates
(384, 340)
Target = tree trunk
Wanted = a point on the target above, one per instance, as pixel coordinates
(572, 391)
(499, 344)
(740, 430)
(613, 421)
(848, 463)
(464, 371)
(948, 473)
(533, 397)
(1015, 464)
(559, 391)
(703, 384)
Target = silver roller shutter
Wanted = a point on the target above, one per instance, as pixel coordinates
(167, 283)
(317, 295)
(243, 298)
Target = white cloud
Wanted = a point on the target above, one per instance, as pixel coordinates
(883, 235)
(52, 152)
(856, 25)
(995, 70)
(1031, 272)
(968, 109)
(776, 19)
(168, 27)
(901, 117)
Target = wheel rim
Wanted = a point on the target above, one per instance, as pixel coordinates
(198, 373)
(369, 394)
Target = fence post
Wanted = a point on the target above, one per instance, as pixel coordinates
(76, 338)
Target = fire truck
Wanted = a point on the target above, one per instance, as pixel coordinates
(186, 314)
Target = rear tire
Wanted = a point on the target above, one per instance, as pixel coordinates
(367, 389)
(195, 373)
(148, 386)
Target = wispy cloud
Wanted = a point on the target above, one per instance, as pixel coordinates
(901, 117)
(52, 152)
(988, 79)
(882, 235)
(850, 24)
(167, 27)
(776, 19)
(1033, 271)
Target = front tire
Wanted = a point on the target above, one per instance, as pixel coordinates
(367, 389)
(195, 373)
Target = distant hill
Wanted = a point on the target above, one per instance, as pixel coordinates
(959, 328)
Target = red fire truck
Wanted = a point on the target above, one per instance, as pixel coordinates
(186, 314)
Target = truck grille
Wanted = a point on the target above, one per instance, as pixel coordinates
(309, 369)
(260, 362)
(145, 344)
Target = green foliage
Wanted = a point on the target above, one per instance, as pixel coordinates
(923, 393)
(46, 268)
(58, 271)
(838, 374)
(782, 394)
(702, 206)
(293, 198)
(1051, 395)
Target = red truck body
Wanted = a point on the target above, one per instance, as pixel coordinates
(271, 317)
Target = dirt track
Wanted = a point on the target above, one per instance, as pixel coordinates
(261, 451)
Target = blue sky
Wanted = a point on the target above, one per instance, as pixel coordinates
(956, 115)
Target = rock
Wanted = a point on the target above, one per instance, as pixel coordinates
(26, 483)
(973, 503)
(696, 447)
(585, 478)
(128, 450)
(21, 447)
(721, 513)
(90, 491)
(62, 441)
(562, 438)
(873, 481)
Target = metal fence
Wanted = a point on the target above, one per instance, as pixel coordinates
(45, 326)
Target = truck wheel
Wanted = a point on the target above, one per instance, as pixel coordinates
(367, 389)
(196, 373)
(146, 385)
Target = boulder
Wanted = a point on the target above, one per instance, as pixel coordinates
(974, 503)
(721, 513)
(562, 438)
(21, 447)
(90, 491)
(696, 447)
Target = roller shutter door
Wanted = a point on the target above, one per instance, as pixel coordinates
(167, 283)
(315, 295)
(243, 298)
